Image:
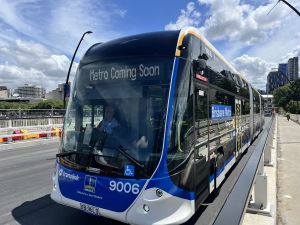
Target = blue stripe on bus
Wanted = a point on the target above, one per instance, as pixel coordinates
(161, 179)
(99, 191)
(227, 161)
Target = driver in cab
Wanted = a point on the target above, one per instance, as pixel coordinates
(109, 123)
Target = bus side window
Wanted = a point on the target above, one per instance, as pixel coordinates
(220, 125)
(201, 122)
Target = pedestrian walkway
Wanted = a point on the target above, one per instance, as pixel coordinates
(288, 172)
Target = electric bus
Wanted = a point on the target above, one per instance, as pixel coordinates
(180, 117)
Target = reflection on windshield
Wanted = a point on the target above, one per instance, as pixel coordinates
(101, 121)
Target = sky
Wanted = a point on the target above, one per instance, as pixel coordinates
(38, 37)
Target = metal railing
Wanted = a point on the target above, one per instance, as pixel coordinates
(11, 119)
(236, 203)
(7, 114)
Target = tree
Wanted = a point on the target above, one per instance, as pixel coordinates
(288, 96)
(15, 105)
(49, 104)
(293, 107)
(282, 95)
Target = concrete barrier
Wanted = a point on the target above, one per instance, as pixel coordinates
(295, 118)
(25, 135)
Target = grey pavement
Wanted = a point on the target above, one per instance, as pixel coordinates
(25, 185)
(288, 172)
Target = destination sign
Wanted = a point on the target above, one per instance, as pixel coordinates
(219, 112)
(124, 72)
(114, 72)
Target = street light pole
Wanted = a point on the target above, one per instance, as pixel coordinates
(292, 7)
(288, 4)
(67, 86)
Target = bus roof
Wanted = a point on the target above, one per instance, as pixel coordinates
(161, 43)
(195, 32)
(156, 43)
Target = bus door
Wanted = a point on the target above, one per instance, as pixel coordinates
(201, 155)
(238, 124)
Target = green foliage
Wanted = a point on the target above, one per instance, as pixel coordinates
(16, 105)
(282, 95)
(293, 107)
(46, 104)
(287, 95)
(50, 103)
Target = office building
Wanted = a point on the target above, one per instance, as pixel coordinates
(30, 91)
(58, 93)
(293, 68)
(283, 71)
(274, 81)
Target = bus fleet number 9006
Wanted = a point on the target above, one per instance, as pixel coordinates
(124, 187)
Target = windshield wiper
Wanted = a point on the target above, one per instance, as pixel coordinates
(64, 154)
(122, 150)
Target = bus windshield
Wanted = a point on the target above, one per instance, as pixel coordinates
(117, 123)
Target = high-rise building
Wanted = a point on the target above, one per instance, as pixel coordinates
(30, 91)
(273, 81)
(283, 72)
(293, 68)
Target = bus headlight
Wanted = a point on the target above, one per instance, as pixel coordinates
(146, 208)
(54, 187)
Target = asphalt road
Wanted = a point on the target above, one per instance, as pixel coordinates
(25, 185)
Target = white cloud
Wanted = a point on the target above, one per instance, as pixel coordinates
(188, 17)
(31, 62)
(60, 24)
(14, 76)
(55, 28)
(254, 69)
(244, 27)
(293, 53)
(9, 13)
(72, 18)
(234, 20)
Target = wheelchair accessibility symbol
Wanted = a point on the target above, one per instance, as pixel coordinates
(129, 170)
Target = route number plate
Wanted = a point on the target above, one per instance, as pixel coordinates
(90, 209)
